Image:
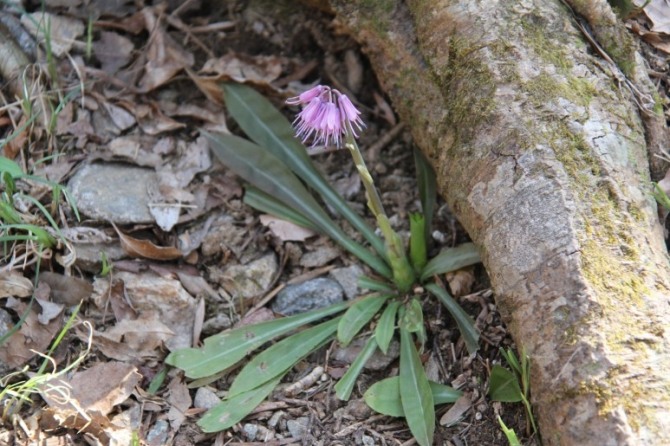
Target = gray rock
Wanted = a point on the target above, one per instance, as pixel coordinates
(216, 324)
(114, 192)
(319, 257)
(348, 279)
(158, 433)
(378, 361)
(252, 279)
(205, 398)
(306, 296)
(298, 427)
(250, 431)
(6, 324)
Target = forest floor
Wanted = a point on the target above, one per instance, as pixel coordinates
(165, 253)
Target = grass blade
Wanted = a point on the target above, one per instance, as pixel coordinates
(512, 439)
(226, 349)
(276, 360)
(384, 396)
(264, 124)
(233, 410)
(345, 385)
(415, 393)
(268, 173)
(263, 202)
(386, 326)
(451, 259)
(368, 283)
(465, 323)
(357, 316)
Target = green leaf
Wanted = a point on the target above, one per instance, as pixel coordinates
(228, 348)
(345, 385)
(233, 410)
(412, 320)
(368, 283)
(386, 326)
(503, 386)
(511, 359)
(415, 393)
(465, 323)
(357, 316)
(283, 355)
(11, 167)
(512, 439)
(451, 259)
(660, 196)
(264, 124)
(263, 202)
(384, 396)
(417, 242)
(265, 171)
(425, 177)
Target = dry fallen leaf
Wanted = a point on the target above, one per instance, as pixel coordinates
(658, 12)
(457, 411)
(66, 290)
(180, 401)
(285, 230)
(113, 51)
(63, 31)
(461, 281)
(13, 284)
(145, 249)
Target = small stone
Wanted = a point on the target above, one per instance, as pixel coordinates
(359, 409)
(250, 431)
(158, 433)
(216, 324)
(319, 257)
(275, 418)
(368, 440)
(306, 296)
(378, 361)
(114, 192)
(298, 427)
(6, 324)
(348, 279)
(252, 279)
(205, 398)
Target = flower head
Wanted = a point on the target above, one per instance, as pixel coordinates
(327, 116)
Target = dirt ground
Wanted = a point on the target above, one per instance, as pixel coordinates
(130, 85)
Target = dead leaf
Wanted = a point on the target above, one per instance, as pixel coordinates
(131, 149)
(33, 336)
(166, 215)
(258, 70)
(63, 31)
(180, 401)
(113, 51)
(457, 411)
(658, 12)
(165, 57)
(153, 121)
(67, 290)
(461, 281)
(145, 249)
(133, 340)
(13, 284)
(49, 312)
(286, 230)
(83, 400)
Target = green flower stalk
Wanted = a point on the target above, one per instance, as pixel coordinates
(330, 117)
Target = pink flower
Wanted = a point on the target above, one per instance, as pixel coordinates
(327, 116)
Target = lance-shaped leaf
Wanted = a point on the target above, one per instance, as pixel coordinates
(384, 396)
(451, 259)
(265, 171)
(232, 410)
(263, 202)
(415, 393)
(264, 124)
(276, 360)
(465, 323)
(386, 326)
(345, 385)
(357, 316)
(226, 349)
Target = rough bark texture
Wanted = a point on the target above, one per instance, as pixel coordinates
(542, 154)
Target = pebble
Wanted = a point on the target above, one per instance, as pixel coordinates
(319, 257)
(306, 296)
(250, 431)
(205, 398)
(216, 324)
(298, 427)
(6, 324)
(114, 192)
(348, 279)
(158, 433)
(252, 279)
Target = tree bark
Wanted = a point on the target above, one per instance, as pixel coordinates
(540, 146)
